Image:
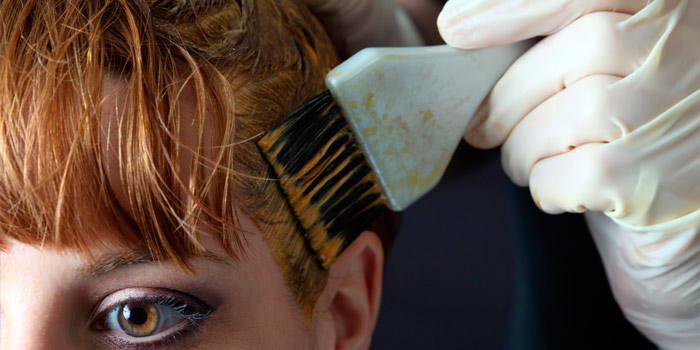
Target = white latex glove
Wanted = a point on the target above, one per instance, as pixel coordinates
(604, 115)
(368, 23)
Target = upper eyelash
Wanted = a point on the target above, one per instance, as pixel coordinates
(171, 301)
(177, 304)
(180, 306)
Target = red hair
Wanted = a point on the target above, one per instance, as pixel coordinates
(249, 63)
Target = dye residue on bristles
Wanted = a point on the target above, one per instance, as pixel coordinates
(325, 176)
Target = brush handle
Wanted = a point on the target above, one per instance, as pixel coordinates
(409, 108)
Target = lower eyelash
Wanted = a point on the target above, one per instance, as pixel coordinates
(172, 338)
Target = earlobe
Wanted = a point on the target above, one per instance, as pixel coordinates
(352, 294)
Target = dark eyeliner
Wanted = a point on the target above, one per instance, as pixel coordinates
(190, 308)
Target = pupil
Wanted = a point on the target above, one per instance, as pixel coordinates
(137, 316)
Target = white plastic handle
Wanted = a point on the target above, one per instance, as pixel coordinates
(409, 108)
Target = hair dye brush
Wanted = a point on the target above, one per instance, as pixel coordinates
(381, 137)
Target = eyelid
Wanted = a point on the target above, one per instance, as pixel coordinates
(154, 296)
(149, 294)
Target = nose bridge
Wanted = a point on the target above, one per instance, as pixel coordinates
(34, 315)
(32, 321)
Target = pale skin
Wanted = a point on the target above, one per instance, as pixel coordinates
(61, 300)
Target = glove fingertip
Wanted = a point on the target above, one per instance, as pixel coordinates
(480, 132)
(476, 142)
(481, 138)
(462, 30)
(515, 173)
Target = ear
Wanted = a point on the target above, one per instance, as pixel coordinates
(347, 308)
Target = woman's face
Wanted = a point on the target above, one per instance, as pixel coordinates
(59, 300)
(121, 299)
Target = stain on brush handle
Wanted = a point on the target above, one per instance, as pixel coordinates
(409, 108)
(383, 138)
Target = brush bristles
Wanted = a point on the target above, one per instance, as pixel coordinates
(324, 173)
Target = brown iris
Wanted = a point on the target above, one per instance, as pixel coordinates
(139, 319)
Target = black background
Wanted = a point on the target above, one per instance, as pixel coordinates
(449, 277)
(477, 266)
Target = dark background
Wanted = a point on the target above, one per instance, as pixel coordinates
(477, 265)
(449, 276)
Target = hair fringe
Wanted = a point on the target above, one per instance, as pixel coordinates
(249, 63)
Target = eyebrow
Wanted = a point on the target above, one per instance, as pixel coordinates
(111, 262)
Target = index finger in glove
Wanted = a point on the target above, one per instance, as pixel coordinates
(592, 45)
(470, 24)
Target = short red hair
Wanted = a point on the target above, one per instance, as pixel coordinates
(250, 63)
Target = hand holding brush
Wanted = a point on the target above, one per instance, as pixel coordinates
(603, 116)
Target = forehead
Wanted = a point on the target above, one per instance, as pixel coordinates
(116, 165)
(111, 256)
(188, 127)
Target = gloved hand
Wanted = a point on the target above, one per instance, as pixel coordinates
(367, 23)
(603, 115)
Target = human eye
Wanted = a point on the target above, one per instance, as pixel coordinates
(148, 318)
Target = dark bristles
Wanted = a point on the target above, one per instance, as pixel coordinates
(327, 180)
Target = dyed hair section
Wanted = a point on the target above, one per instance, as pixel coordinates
(250, 62)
